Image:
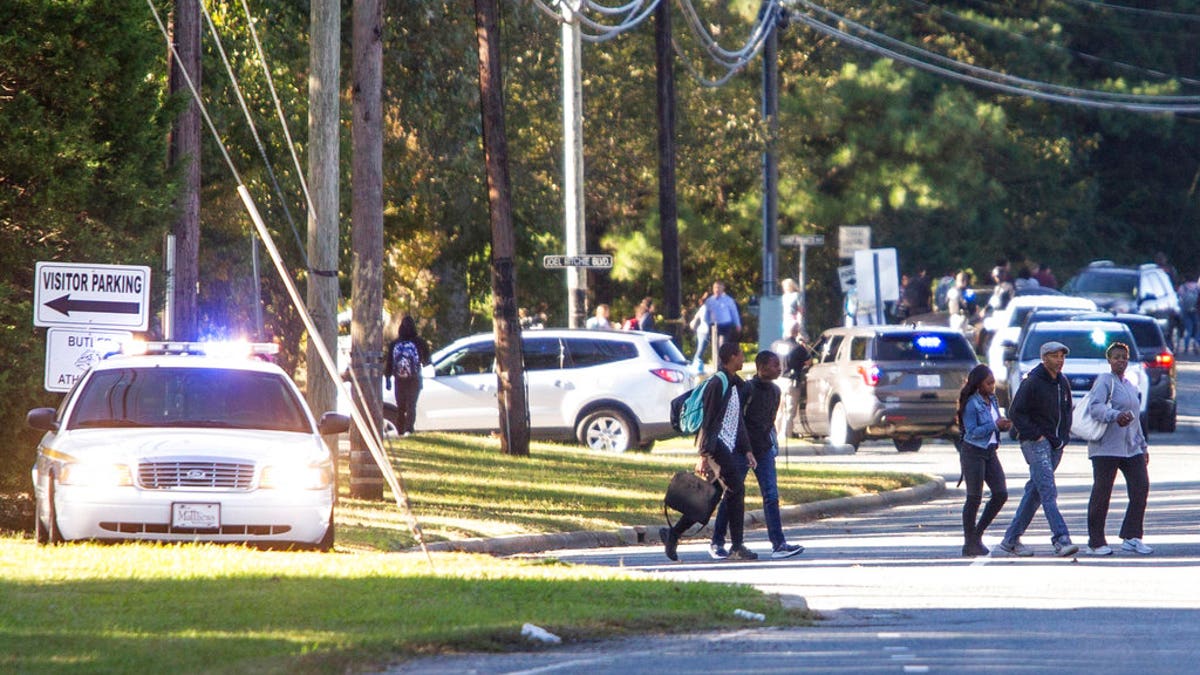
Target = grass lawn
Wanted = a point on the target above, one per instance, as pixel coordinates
(136, 608)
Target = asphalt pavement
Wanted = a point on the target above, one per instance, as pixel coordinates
(895, 596)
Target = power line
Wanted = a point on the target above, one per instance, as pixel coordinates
(997, 81)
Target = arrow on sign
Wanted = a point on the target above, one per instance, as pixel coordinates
(65, 305)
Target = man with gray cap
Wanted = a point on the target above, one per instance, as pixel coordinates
(1041, 415)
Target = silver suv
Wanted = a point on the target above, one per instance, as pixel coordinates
(610, 390)
(897, 382)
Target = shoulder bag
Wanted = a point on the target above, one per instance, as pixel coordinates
(1084, 425)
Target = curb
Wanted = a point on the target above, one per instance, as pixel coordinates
(648, 534)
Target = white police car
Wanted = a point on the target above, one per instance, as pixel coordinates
(185, 442)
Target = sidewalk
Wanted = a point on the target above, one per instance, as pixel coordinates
(648, 534)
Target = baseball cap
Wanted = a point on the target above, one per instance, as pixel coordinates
(1053, 346)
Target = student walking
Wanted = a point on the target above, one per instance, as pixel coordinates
(406, 354)
(1114, 400)
(722, 436)
(1041, 412)
(759, 410)
(981, 423)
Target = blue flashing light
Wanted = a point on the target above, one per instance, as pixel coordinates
(930, 344)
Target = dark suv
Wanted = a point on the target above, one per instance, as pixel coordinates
(1156, 354)
(1145, 289)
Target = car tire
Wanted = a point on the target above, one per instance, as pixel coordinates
(391, 421)
(907, 444)
(607, 430)
(1168, 421)
(47, 532)
(840, 432)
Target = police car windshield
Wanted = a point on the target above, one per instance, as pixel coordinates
(188, 397)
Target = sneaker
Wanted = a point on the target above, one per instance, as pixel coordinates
(670, 540)
(1100, 550)
(1136, 546)
(717, 552)
(1063, 549)
(742, 553)
(787, 551)
(1017, 549)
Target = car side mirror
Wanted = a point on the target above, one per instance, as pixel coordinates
(333, 423)
(43, 419)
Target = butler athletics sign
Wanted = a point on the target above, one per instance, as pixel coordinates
(83, 295)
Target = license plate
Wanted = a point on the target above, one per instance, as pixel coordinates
(198, 516)
(929, 381)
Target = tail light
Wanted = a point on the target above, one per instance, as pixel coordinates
(670, 375)
(1162, 360)
(870, 374)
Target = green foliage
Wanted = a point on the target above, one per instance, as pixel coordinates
(82, 178)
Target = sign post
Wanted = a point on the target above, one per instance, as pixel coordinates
(803, 241)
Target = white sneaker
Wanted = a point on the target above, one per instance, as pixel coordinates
(1100, 550)
(1136, 546)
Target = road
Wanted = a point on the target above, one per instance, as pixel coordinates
(895, 596)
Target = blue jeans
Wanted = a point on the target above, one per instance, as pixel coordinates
(768, 486)
(1039, 491)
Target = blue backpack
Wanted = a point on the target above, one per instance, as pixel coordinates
(687, 409)
(406, 362)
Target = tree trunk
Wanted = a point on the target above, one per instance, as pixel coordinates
(510, 375)
(185, 151)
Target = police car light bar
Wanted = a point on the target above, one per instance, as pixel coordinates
(236, 349)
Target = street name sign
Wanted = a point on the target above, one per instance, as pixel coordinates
(70, 352)
(590, 261)
(802, 240)
(77, 295)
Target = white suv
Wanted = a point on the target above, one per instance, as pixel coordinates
(1086, 341)
(610, 390)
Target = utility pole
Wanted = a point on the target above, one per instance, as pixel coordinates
(325, 20)
(185, 150)
(770, 306)
(510, 374)
(574, 218)
(668, 220)
(366, 215)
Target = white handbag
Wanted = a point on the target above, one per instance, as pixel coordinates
(1084, 425)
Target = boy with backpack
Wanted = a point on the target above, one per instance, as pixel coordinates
(722, 435)
(759, 410)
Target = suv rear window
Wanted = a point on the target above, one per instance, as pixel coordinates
(586, 352)
(667, 351)
(1147, 334)
(923, 347)
(1120, 282)
(1082, 344)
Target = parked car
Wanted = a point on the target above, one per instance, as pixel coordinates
(1086, 342)
(610, 390)
(1159, 361)
(884, 382)
(1145, 289)
(185, 442)
(1005, 326)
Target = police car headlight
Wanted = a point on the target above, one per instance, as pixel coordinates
(95, 474)
(296, 477)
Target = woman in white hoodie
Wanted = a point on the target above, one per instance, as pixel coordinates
(1114, 400)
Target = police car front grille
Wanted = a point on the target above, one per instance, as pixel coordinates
(169, 475)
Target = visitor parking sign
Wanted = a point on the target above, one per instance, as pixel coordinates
(90, 295)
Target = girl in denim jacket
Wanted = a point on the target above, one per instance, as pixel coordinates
(981, 424)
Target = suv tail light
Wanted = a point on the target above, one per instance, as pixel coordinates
(670, 375)
(1162, 360)
(870, 374)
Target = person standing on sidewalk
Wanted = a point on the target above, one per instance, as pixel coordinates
(723, 313)
(1114, 400)
(722, 436)
(759, 410)
(1041, 412)
(981, 423)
